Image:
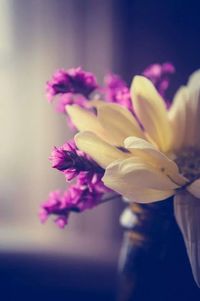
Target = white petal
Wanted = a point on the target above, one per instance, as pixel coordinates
(194, 109)
(177, 116)
(96, 103)
(150, 195)
(136, 180)
(153, 156)
(194, 80)
(187, 213)
(118, 123)
(150, 108)
(184, 114)
(194, 189)
(141, 174)
(84, 120)
(100, 151)
(189, 134)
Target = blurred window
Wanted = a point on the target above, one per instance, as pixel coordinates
(38, 37)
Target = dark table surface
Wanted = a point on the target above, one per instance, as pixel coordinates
(34, 277)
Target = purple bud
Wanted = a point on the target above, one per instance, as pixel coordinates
(62, 159)
(71, 161)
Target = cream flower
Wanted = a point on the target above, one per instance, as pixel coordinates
(140, 161)
(152, 159)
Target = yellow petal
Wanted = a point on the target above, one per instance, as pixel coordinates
(118, 123)
(150, 108)
(193, 107)
(136, 168)
(184, 114)
(99, 150)
(177, 117)
(194, 189)
(194, 80)
(84, 120)
(138, 181)
(97, 103)
(149, 195)
(153, 156)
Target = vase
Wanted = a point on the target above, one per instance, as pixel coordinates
(153, 263)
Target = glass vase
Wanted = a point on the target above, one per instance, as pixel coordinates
(153, 263)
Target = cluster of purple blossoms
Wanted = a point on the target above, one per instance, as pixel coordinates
(87, 191)
(159, 74)
(73, 86)
(74, 80)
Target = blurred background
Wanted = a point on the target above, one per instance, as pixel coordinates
(36, 38)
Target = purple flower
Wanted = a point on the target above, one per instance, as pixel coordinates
(75, 81)
(160, 76)
(63, 157)
(117, 91)
(86, 193)
(71, 161)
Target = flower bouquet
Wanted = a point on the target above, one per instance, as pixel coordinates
(133, 143)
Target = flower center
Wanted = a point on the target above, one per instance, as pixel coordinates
(188, 161)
